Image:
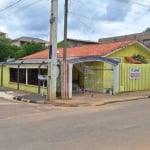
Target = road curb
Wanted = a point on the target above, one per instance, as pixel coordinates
(124, 100)
(62, 104)
(18, 98)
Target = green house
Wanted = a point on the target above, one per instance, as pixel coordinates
(93, 67)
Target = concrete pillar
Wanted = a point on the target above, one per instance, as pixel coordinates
(65, 80)
(70, 80)
(116, 79)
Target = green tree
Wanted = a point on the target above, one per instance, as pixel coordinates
(29, 48)
(7, 49)
(61, 44)
(147, 30)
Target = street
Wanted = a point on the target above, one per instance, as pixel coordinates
(119, 126)
(12, 109)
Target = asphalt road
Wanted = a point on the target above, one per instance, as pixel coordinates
(121, 126)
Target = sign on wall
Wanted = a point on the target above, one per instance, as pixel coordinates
(135, 73)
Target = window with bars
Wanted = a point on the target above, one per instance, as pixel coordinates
(27, 76)
(13, 73)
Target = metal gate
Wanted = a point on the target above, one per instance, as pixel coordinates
(98, 79)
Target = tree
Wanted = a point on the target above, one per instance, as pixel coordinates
(29, 48)
(7, 49)
(147, 30)
(61, 44)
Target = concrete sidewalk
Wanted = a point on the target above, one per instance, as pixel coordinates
(98, 99)
(88, 99)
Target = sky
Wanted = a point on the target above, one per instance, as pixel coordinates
(87, 20)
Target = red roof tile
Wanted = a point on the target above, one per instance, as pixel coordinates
(133, 60)
(83, 51)
(39, 55)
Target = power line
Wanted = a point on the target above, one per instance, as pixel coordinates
(23, 6)
(31, 4)
(87, 17)
(10, 5)
(136, 3)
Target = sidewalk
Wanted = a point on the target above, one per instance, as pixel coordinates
(88, 99)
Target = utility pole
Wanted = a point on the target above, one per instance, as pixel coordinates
(65, 30)
(65, 80)
(52, 63)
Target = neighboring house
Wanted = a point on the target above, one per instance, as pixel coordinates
(77, 42)
(22, 40)
(143, 37)
(2, 34)
(94, 68)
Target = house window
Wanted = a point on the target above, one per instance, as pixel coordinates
(33, 76)
(26, 76)
(22, 76)
(14, 73)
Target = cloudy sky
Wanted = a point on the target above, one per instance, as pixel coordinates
(88, 20)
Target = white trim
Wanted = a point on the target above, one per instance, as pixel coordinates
(142, 45)
(134, 42)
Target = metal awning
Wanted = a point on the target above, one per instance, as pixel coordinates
(94, 58)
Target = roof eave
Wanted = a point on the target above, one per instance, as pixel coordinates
(134, 42)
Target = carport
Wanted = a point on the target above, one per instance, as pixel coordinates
(80, 61)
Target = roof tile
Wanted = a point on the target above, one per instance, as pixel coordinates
(83, 51)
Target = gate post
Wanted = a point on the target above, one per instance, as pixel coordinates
(70, 81)
(65, 80)
(116, 79)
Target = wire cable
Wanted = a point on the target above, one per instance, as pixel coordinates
(10, 5)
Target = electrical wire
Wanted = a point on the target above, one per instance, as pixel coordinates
(10, 5)
(137, 3)
(21, 5)
(81, 16)
(89, 16)
(18, 5)
(31, 4)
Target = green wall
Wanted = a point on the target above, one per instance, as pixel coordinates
(130, 51)
(23, 87)
(129, 83)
